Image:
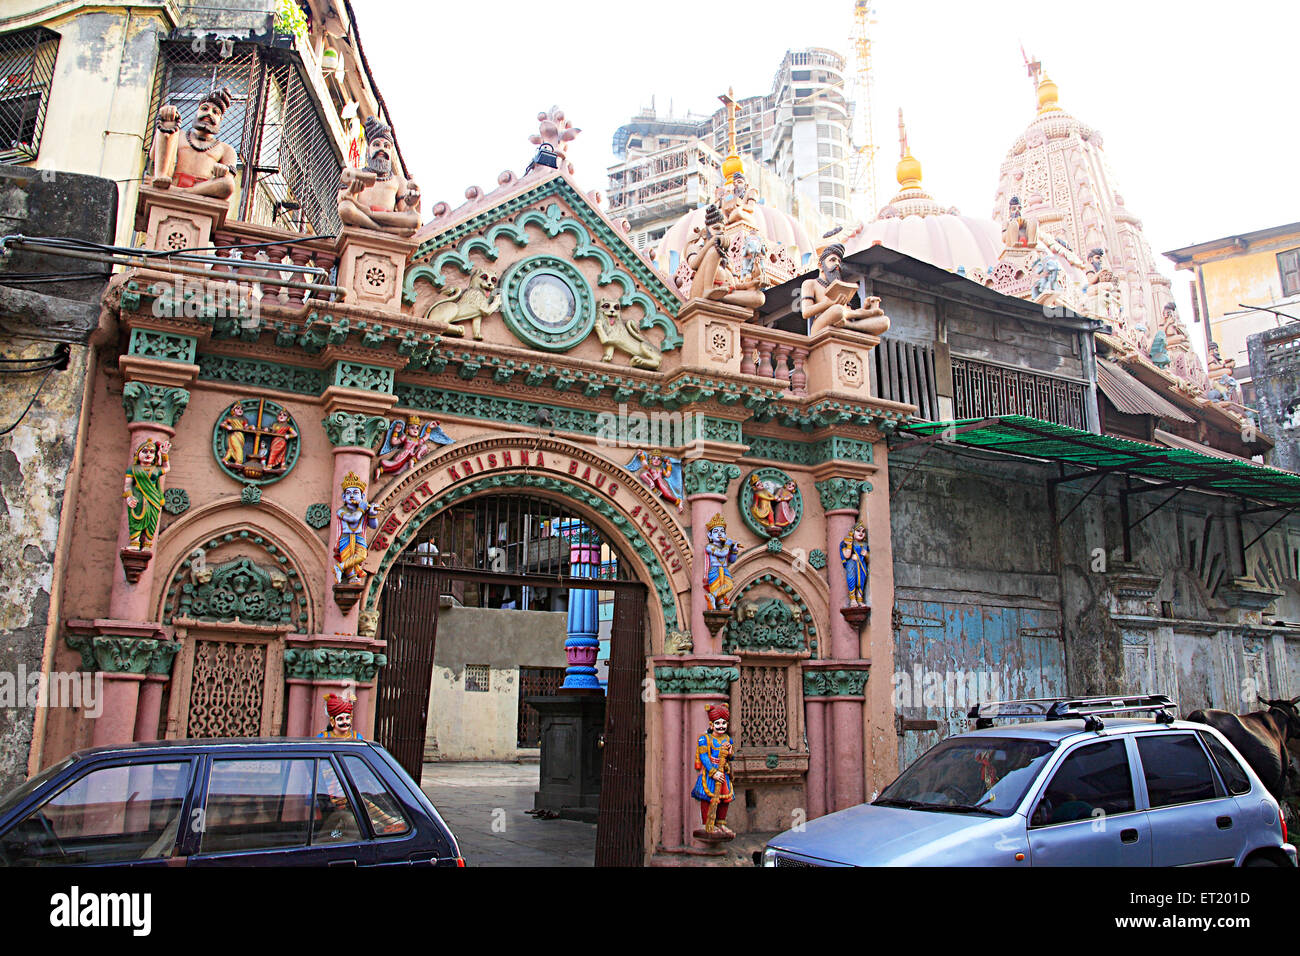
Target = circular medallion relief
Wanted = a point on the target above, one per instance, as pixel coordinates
(255, 441)
(770, 502)
(548, 304)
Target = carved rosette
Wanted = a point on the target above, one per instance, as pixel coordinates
(841, 494)
(703, 477)
(699, 679)
(318, 515)
(154, 404)
(353, 429)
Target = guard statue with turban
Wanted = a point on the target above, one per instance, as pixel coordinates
(713, 755)
(378, 196)
(339, 710)
(196, 162)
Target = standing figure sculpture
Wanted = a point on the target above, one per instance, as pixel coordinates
(825, 299)
(713, 755)
(339, 710)
(235, 425)
(378, 196)
(197, 162)
(355, 517)
(722, 552)
(856, 558)
(283, 430)
(143, 492)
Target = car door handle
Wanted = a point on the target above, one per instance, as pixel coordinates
(1129, 835)
(1225, 823)
(342, 863)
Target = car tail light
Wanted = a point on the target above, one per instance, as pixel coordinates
(1281, 815)
(460, 860)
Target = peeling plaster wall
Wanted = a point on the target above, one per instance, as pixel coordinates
(38, 455)
(1275, 370)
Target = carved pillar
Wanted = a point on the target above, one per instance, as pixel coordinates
(686, 686)
(117, 656)
(841, 500)
(158, 672)
(837, 689)
(815, 722)
(313, 671)
(353, 428)
(705, 483)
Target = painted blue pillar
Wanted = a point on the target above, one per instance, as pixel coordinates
(583, 643)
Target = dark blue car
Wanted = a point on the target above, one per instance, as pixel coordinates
(239, 802)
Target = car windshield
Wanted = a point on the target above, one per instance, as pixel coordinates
(970, 775)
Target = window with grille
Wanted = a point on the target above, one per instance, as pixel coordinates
(478, 678)
(26, 72)
(763, 720)
(287, 153)
(1288, 264)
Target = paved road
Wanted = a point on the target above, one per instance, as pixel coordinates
(484, 805)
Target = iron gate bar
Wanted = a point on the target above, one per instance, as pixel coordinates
(525, 580)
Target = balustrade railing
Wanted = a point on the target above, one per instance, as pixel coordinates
(780, 356)
(251, 254)
(981, 389)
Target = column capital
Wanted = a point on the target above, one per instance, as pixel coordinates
(700, 476)
(835, 678)
(842, 494)
(692, 675)
(160, 405)
(353, 429)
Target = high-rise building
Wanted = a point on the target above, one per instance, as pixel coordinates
(795, 141)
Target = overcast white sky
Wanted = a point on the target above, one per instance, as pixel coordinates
(1196, 100)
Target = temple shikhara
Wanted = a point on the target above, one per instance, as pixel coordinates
(700, 523)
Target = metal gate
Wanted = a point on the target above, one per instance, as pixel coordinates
(488, 545)
(620, 837)
(535, 682)
(408, 621)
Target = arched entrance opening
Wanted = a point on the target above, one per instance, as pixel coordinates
(501, 599)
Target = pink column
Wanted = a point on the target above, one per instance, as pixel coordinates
(844, 641)
(670, 709)
(357, 460)
(703, 507)
(130, 602)
(298, 718)
(149, 710)
(846, 715)
(815, 716)
(828, 735)
(121, 699)
(364, 713)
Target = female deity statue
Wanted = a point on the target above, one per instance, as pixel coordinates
(234, 424)
(283, 431)
(143, 492)
(856, 557)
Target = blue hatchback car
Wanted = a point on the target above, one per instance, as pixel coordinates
(1070, 790)
(238, 802)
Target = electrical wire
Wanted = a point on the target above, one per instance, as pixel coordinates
(44, 378)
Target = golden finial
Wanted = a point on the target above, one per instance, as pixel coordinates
(732, 164)
(909, 167)
(1047, 95)
(352, 480)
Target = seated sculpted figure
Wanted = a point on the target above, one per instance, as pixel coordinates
(378, 196)
(1019, 232)
(196, 162)
(825, 300)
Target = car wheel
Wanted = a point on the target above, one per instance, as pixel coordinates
(1261, 860)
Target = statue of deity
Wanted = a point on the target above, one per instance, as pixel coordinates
(378, 196)
(197, 162)
(1101, 293)
(658, 471)
(722, 553)
(737, 201)
(235, 424)
(714, 752)
(407, 442)
(826, 299)
(773, 507)
(339, 709)
(355, 517)
(856, 558)
(143, 492)
(283, 430)
(1019, 232)
(1175, 334)
(1223, 386)
(709, 257)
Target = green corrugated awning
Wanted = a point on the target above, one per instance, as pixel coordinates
(1021, 435)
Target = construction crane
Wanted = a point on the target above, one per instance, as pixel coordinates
(864, 166)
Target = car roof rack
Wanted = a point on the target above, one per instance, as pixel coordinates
(1088, 709)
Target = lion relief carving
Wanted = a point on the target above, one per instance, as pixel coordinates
(476, 300)
(616, 332)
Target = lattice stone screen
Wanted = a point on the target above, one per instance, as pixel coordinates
(227, 690)
(763, 719)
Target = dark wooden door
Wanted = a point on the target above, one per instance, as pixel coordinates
(408, 621)
(621, 822)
